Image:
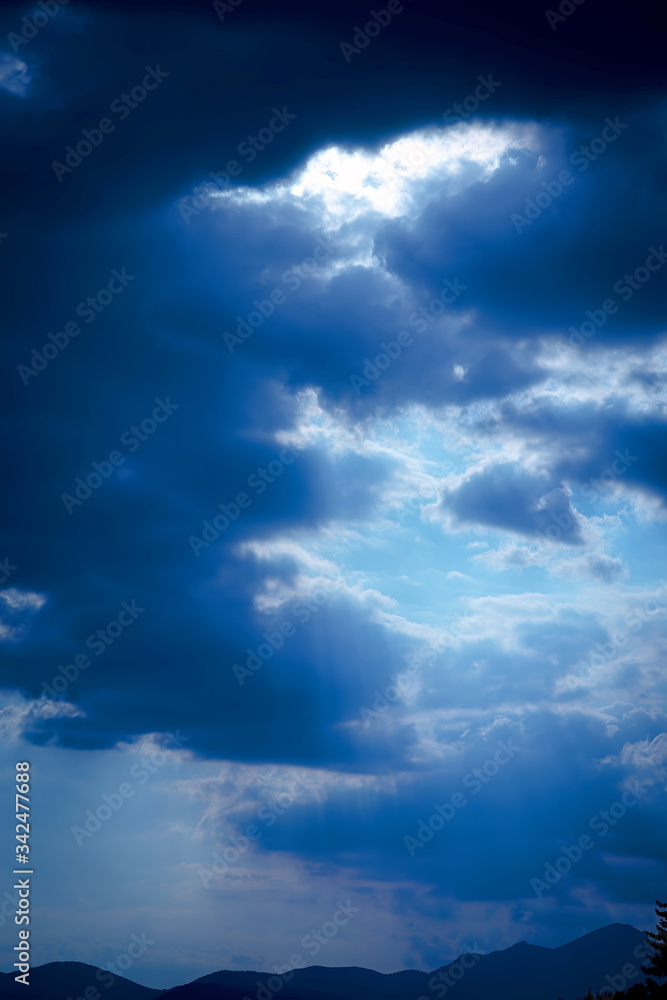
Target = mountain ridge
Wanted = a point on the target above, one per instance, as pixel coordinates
(523, 971)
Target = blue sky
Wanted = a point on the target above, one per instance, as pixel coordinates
(360, 500)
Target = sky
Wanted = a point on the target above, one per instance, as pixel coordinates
(333, 537)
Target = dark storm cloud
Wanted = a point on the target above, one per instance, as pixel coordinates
(163, 337)
(502, 497)
(504, 844)
(518, 271)
(128, 543)
(595, 448)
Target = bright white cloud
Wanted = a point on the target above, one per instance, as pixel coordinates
(339, 185)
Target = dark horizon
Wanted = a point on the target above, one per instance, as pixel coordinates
(617, 935)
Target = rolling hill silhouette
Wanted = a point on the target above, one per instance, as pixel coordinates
(60, 980)
(522, 972)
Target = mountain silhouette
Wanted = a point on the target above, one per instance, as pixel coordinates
(61, 980)
(522, 972)
(215, 991)
(530, 972)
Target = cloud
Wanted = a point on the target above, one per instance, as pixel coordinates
(488, 424)
(15, 76)
(341, 187)
(18, 613)
(19, 714)
(647, 756)
(502, 497)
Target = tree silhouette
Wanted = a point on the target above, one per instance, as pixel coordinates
(657, 959)
(658, 942)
